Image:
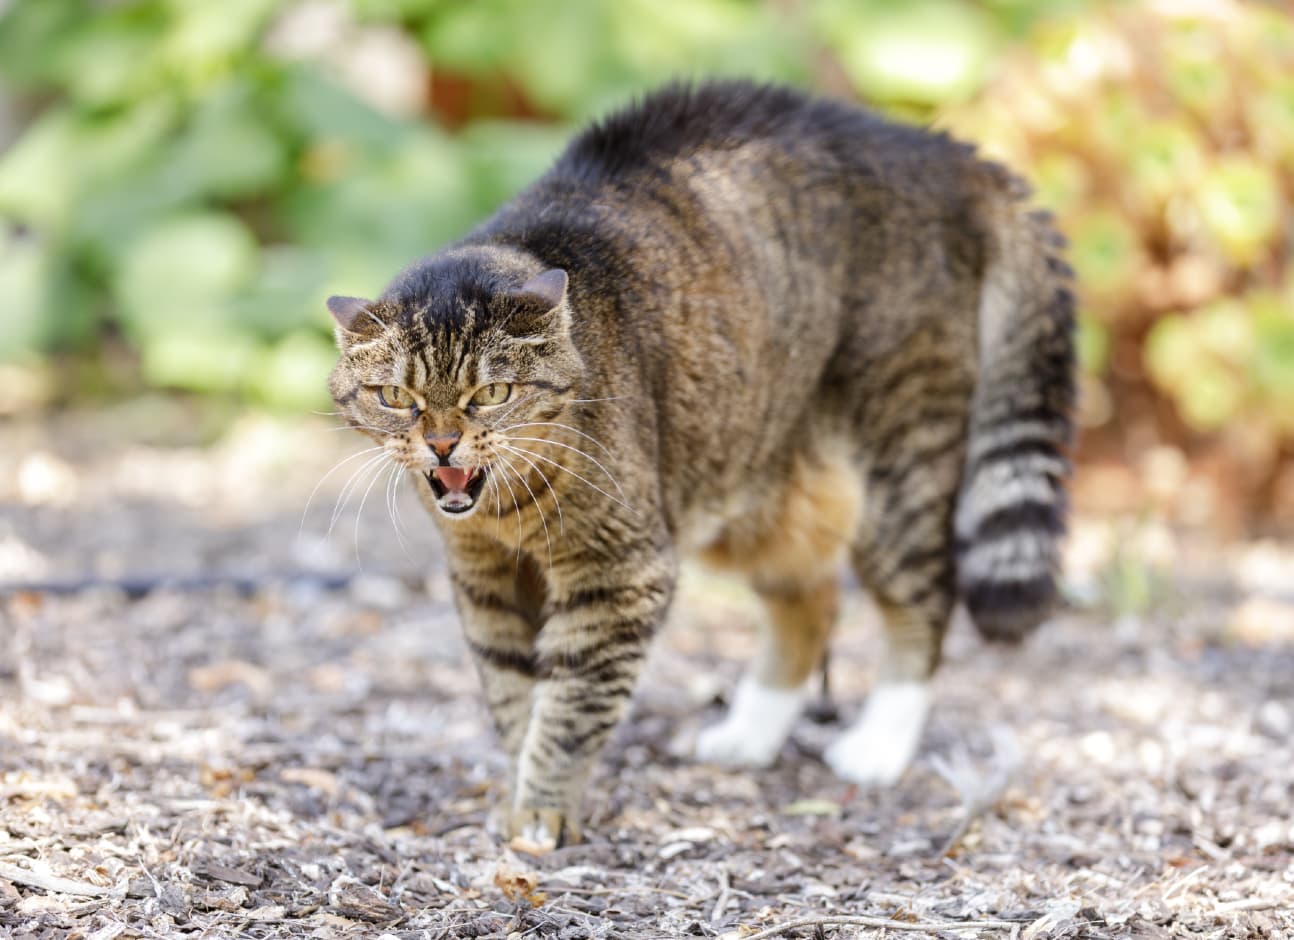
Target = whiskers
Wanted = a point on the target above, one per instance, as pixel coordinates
(557, 424)
(331, 470)
(515, 446)
(362, 427)
(516, 503)
(378, 464)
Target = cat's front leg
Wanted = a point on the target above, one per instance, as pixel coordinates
(499, 600)
(591, 649)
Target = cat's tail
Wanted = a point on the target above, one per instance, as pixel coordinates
(1011, 510)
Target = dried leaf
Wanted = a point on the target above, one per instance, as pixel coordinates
(812, 808)
(218, 676)
(519, 885)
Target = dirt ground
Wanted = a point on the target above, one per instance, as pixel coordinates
(220, 719)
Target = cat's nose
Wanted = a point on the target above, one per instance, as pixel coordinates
(443, 444)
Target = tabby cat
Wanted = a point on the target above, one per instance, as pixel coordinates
(736, 322)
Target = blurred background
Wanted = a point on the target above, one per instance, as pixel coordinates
(217, 642)
(183, 182)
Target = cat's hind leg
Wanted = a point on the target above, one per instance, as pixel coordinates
(771, 695)
(878, 747)
(792, 552)
(904, 557)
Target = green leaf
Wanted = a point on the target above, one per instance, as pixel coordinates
(24, 269)
(318, 109)
(228, 150)
(1104, 250)
(200, 357)
(1226, 330)
(1062, 181)
(1212, 397)
(924, 52)
(1274, 349)
(294, 373)
(69, 155)
(811, 807)
(1191, 67)
(205, 39)
(1172, 352)
(31, 32)
(1093, 344)
(503, 157)
(404, 204)
(184, 270)
(1167, 156)
(112, 57)
(289, 293)
(1239, 201)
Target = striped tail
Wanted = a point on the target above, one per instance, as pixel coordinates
(1012, 507)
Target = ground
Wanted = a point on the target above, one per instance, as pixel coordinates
(273, 741)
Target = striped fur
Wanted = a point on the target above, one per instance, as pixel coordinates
(1011, 511)
(777, 332)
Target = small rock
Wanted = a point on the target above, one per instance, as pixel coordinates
(1275, 720)
(695, 834)
(35, 904)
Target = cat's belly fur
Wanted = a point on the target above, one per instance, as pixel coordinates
(796, 530)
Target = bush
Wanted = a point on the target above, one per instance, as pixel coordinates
(196, 177)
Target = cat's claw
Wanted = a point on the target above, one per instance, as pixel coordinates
(538, 831)
(880, 745)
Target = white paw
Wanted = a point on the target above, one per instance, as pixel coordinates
(537, 832)
(880, 745)
(732, 745)
(756, 726)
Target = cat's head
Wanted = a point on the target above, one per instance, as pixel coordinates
(463, 354)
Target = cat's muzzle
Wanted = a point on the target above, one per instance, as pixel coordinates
(456, 488)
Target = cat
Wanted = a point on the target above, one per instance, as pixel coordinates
(733, 321)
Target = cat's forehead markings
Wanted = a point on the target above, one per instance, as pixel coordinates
(400, 370)
(457, 354)
(419, 371)
(468, 310)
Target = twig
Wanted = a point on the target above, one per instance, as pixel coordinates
(885, 922)
(725, 893)
(1246, 904)
(35, 879)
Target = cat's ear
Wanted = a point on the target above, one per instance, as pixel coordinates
(537, 310)
(546, 290)
(350, 312)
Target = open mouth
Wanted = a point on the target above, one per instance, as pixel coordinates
(456, 488)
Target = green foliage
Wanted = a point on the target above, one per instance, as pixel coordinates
(197, 177)
(576, 58)
(1164, 141)
(929, 52)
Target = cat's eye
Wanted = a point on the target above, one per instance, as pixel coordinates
(393, 396)
(496, 393)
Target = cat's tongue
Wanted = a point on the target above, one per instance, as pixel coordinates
(453, 478)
